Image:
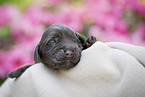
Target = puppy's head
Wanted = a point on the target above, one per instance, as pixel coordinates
(60, 47)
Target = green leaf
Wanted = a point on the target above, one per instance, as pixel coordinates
(1, 81)
(21, 4)
(4, 31)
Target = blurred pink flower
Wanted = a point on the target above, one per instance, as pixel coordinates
(118, 7)
(38, 15)
(110, 22)
(108, 35)
(138, 5)
(9, 15)
(69, 16)
(54, 2)
(108, 15)
(23, 28)
(26, 31)
(16, 57)
(138, 37)
(19, 55)
(3, 65)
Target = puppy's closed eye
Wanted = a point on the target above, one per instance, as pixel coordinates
(53, 40)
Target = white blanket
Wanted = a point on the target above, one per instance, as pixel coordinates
(105, 70)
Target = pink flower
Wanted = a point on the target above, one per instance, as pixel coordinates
(9, 15)
(138, 5)
(107, 15)
(70, 16)
(118, 7)
(18, 56)
(138, 37)
(108, 35)
(3, 64)
(26, 31)
(54, 2)
(66, 15)
(111, 22)
(36, 14)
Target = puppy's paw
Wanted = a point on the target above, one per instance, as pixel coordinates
(18, 72)
(15, 73)
(90, 41)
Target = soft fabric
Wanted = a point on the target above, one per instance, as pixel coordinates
(105, 70)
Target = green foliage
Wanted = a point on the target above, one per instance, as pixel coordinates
(21, 4)
(4, 31)
(1, 81)
(133, 19)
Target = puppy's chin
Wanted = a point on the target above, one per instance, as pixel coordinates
(63, 65)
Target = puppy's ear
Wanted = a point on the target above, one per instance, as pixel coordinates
(82, 39)
(36, 54)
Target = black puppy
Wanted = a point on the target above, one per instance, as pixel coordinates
(60, 48)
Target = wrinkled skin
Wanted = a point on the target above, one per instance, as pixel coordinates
(60, 48)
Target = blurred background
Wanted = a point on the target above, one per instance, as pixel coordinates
(22, 23)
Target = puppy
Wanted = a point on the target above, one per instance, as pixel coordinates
(60, 48)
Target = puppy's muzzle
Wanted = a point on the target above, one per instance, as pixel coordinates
(70, 50)
(68, 54)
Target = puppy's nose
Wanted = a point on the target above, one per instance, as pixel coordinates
(68, 54)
